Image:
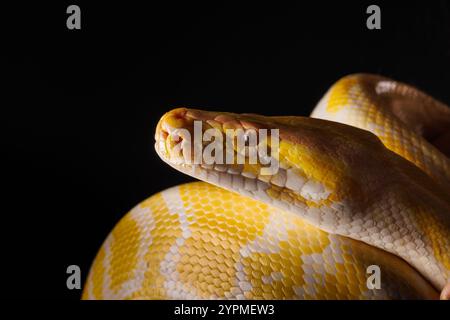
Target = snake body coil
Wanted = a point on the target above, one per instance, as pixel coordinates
(342, 202)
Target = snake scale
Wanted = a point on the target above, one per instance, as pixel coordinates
(364, 181)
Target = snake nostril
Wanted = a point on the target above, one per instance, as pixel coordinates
(164, 134)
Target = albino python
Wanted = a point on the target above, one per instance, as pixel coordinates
(370, 187)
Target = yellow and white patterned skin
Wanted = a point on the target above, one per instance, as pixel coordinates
(340, 202)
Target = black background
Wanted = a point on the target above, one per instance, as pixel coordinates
(78, 107)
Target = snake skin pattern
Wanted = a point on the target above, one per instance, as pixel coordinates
(341, 202)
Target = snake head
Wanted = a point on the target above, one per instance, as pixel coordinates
(295, 163)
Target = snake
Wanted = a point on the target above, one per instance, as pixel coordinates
(358, 208)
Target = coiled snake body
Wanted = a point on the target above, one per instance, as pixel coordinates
(341, 202)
